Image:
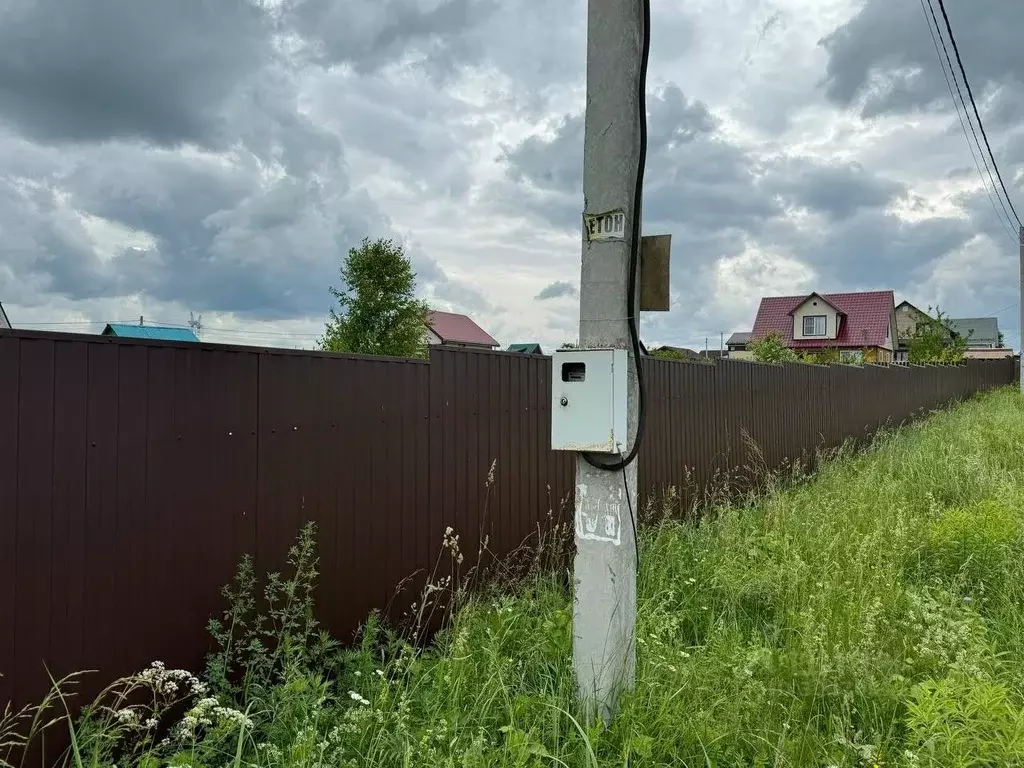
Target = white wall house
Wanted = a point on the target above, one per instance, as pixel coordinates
(816, 319)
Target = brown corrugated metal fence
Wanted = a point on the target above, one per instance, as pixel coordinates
(135, 474)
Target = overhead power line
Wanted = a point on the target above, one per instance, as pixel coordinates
(1004, 220)
(244, 331)
(1000, 311)
(974, 106)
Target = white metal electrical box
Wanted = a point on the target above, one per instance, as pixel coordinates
(589, 400)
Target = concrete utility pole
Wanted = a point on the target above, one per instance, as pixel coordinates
(604, 620)
(1021, 308)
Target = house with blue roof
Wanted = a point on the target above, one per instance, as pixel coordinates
(156, 332)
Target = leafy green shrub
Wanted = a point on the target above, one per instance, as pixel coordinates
(973, 546)
(772, 349)
(964, 722)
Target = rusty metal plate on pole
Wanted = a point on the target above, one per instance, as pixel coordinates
(655, 252)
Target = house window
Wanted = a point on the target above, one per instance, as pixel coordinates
(814, 325)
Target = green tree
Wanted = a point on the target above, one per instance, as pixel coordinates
(378, 312)
(772, 349)
(665, 353)
(932, 341)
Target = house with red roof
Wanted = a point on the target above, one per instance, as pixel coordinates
(453, 330)
(857, 324)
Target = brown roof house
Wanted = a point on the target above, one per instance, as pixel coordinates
(452, 330)
(853, 323)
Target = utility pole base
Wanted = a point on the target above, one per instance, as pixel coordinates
(604, 625)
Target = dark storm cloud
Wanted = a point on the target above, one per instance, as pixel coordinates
(873, 249)
(838, 190)
(546, 173)
(695, 178)
(558, 290)
(222, 236)
(884, 57)
(103, 69)
(555, 163)
(368, 34)
(45, 245)
(426, 134)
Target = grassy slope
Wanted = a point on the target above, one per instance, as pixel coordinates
(872, 616)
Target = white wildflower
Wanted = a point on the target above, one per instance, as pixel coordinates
(357, 697)
(233, 716)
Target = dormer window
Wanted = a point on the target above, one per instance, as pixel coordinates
(814, 325)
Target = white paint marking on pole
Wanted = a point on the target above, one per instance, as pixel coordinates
(610, 225)
(600, 521)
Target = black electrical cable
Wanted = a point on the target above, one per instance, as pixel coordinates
(634, 253)
(963, 127)
(974, 106)
(632, 519)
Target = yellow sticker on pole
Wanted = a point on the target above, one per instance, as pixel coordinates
(610, 225)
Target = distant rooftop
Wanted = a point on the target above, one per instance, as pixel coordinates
(740, 337)
(4, 322)
(977, 330)
(458, 329)
(528, 348)
(159, 332)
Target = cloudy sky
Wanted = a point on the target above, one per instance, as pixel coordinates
(220, 156)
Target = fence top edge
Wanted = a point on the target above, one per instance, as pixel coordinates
(91, 338)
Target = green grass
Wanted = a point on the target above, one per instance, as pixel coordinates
(873, 616)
